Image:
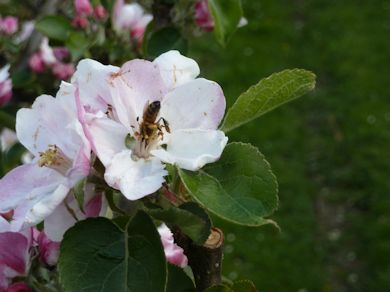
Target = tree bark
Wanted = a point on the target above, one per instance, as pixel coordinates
(205, 261)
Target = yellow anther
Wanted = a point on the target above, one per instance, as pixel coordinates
(55, 159)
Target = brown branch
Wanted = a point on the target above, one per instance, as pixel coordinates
(205, 261)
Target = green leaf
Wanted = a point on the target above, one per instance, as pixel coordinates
(240, 187)
(268, 94)
(79, 193)
(226, 15)
(178, 281)
(96, 255)
(191, 218)
(77, 43)
(165, 39)
(244, 286)
(7, 120)
(12, 158)
(54, 26)
(22, 78)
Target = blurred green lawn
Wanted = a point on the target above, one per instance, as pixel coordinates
(330, 150)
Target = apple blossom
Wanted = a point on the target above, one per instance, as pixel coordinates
(52, 133)
(130, 18)
(100, 12)
(5, 86)
(174, 253)
(202, 15)
(80, 21)
(9, 25)
(27, 29)
(83, 7)
(47, 52)
(48, 250)
(63, 71)
(61, 53)
(204, 19)
(36, 63)
(7, 139)
(14, 255)
(193, 108)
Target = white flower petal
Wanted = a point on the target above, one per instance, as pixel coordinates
(92, 79)
(127, 16)
(106, 136)
(191, 149)
(61, 219)
(176, 69)
(48, 122)
(199, 103)
(24, 183)
(46, 205)
(7, 139)
(58, 222)
(4, 74)
(47, 52)
(135, 179)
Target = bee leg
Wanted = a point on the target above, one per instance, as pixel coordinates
(161, 134)
(165, 124)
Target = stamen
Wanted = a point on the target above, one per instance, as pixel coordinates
(55, 159)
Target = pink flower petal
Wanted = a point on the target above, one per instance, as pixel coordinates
(14, 251)
(48, 250)
(137, 83)
(174, 253)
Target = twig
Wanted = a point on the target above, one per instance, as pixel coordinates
(205, 261)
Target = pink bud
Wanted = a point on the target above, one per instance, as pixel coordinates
(83, 7)
(63, 71)
(5, 92)
(173, 253)
(9, 25)
(5, 86)
(61, 53)
(100, 12)
(14, 256)
(18, 287)
(36, 63)
(202, 15)
(80, 22)
(138, 33)
(48, 250)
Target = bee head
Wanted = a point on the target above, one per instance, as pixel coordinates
(155, 106)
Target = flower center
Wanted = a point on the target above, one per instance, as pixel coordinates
(55, 159)
(150, 130)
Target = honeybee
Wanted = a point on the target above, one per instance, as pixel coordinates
(149, 129)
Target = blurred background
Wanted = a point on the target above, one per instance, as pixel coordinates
(329, 150)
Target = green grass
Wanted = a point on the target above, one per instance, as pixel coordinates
(330, 149)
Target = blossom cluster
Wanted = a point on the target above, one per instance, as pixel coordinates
(133, 120)
(52, 58)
